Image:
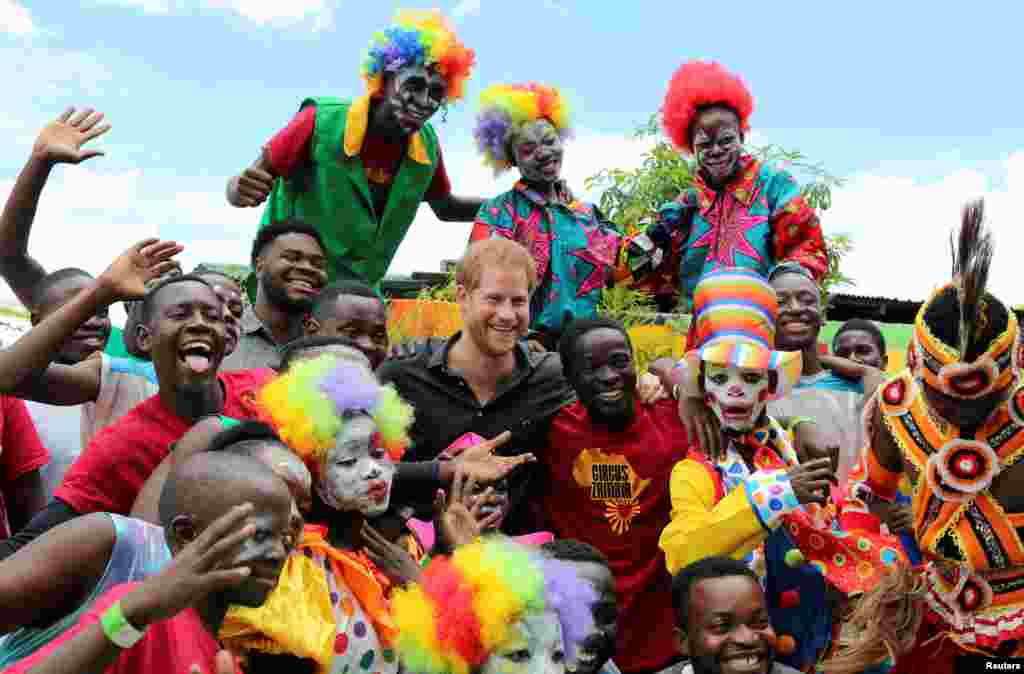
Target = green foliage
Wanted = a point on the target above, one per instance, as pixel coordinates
(632, 197)
(626, 304)
(444, 292)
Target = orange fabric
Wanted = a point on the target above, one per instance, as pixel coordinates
(362, 577)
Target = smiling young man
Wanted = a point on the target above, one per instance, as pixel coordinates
(291, 268)
(482, 380)
(722, 620)
(831, 391)
(605, 470)
(741, 212)
(182, 330)
(378, 153)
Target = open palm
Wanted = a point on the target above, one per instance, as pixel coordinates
(62, 139)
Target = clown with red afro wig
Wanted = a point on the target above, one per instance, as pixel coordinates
(696, 86)
(739, 211)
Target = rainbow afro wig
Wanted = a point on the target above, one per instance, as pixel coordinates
(504, 108)
(464, 606)
(309, 404)
(696, 85)
(418, 38)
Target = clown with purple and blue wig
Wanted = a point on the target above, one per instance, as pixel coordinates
(378, 153)
(577, 251)
(331, 606)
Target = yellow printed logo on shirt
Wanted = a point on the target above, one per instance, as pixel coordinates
(610, 479)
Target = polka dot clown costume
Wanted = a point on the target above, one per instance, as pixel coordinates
(741, 503)
(332, 604)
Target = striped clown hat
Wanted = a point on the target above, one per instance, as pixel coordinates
(734, 314)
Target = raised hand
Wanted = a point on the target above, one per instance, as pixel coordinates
(126, 277)
(395, 562)
(62, 140)
(459, 521)
(480, 463)
(252, 187)
(201, 569)
(810, 481)
(649, 389)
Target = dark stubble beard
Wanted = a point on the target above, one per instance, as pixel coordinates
(278, 297)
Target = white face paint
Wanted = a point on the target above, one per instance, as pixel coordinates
(534, 647)
(737, 395)
(356, 474)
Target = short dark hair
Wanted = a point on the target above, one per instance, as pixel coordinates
(704, 569)
(225, 464)
(862, 325)
(241, 437)
(575, 331)
(203, 270)
(267, 235)
(572, 550)
(146, 311)
(329, 295)
(290, 351)
(52, 279)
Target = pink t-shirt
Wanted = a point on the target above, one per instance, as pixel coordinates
(169, 647)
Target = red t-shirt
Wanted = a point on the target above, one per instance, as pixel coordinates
(381, 159)
(171, 646)
(111, 470)
(21, 452)
(611, 490)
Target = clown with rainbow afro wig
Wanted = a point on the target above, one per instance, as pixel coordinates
(487, 606)
(526, 126)
(333, 413)
(504, 111)
(350, 430)
(740, 211)
(390, 158)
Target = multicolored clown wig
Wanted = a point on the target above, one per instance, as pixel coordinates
(697, 85)
(464, 607)
(504, 108)
(418, 38)
(310, 403)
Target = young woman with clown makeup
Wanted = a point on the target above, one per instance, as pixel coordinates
(332, 604)
(526, 126)
(493, 607)
(740, 212)
(756, 501)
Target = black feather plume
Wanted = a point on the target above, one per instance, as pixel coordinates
(972, 257)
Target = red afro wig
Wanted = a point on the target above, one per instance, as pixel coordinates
(698, 84)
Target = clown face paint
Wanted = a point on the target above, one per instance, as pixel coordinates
(538, 152)
(357, 473)
(412, 96)
(718, 144)
(534, 647)
(736, 395)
